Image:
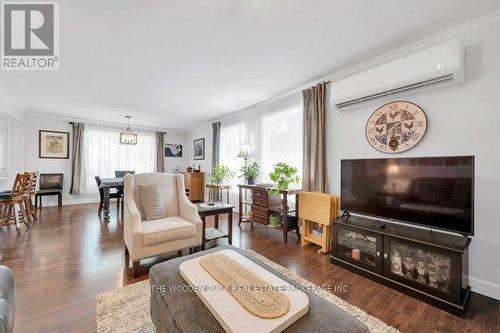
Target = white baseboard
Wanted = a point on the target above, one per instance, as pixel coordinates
(72, 200)
(486, 288)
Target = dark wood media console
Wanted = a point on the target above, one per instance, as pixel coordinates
(425, 264)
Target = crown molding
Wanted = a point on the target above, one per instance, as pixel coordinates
(101, 123)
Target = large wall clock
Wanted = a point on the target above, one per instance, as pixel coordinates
(396, 127)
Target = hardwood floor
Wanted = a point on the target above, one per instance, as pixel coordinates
(71, 256)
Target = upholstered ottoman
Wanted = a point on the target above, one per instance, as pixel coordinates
(176, 309)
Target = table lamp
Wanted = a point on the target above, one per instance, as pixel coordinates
(245, 154)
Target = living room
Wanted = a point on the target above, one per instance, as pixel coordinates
(152, 154)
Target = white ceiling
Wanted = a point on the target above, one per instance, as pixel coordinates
(176, 64)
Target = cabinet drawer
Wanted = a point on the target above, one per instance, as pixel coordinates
(260, 202)
(259, 218)
(259, 194)
(259, 211)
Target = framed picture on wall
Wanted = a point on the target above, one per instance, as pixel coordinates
(199, 149)
(173, 150)
(53, 144)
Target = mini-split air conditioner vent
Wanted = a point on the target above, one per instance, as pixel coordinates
(441, 65)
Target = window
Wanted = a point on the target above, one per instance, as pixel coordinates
(281, 134)
(3, 150)
(103, 154)
(274, 133)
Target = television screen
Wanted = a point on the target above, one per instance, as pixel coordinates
(436, 192)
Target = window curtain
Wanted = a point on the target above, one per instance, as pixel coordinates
(215, 144)
(272, 130)
(160, 148)
(314, 173)
(103, 154)
(76, 158)
(232, 136)
(281, 135)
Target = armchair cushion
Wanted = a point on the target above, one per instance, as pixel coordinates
(152, 202)
(166, 229)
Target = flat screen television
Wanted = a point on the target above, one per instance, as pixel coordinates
(436, 192)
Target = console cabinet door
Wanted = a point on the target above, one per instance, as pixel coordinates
(360, 247)
(434, 270)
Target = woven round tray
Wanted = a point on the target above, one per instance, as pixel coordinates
(252, 292)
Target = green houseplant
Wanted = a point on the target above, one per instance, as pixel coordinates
(250, 173)
(283, 175)
(220, 174)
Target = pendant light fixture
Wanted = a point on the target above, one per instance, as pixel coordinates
(128, 137)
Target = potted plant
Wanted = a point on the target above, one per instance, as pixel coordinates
(250, 173)
(274, 221)
(283, 175)
(220, 174)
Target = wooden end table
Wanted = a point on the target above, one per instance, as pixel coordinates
(215, 209)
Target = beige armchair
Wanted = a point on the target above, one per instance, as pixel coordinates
(181, 228)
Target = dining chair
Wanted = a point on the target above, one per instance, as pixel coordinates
(122, 173)
(113, 195)
(13, 208)
(31, 194)
(50, 184)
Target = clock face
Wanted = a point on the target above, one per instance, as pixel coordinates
(396, 127)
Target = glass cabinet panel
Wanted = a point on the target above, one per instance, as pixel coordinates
(357, 246)
(423, 266)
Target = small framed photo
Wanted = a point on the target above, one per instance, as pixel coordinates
(173, 150)
(53, 144)
(199, 149)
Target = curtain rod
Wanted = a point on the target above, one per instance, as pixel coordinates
(114, 126)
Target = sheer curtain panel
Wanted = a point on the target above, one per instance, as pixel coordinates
(274, 133)
(103, 154)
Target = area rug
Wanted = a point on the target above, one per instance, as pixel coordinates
(127, 309)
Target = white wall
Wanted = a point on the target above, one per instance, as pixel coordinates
(47, 165)
(203, 131)
(181, 162)
(15, 147)
(463, 120)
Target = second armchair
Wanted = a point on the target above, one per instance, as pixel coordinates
(179, 229)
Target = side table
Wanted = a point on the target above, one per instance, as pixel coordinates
(215, 209)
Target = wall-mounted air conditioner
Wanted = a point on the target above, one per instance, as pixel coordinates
(436, 66)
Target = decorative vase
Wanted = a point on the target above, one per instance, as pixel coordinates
(251, 180)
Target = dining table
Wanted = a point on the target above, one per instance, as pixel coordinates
(106, 185)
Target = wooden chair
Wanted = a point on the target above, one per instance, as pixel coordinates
(13, 208)
(31, 194)
(320, 209)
